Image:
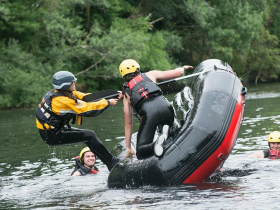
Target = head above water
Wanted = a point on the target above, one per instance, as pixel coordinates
(128, 66)
(273, 137)
(63, 79)
(82, 154)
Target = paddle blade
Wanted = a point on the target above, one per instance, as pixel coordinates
(107, 94)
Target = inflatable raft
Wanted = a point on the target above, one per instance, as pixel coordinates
(209, 112)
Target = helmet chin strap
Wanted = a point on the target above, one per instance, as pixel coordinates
(89, 166)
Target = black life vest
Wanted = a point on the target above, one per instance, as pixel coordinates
(141, 88)
(45, 114)
(83, 169)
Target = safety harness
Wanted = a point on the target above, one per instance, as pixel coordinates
(141, 88)
(45, 115)
(274, 154)
(271, 154)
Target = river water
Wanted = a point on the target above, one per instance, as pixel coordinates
(36, 176)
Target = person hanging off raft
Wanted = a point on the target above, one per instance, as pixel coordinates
(142, 94)
(63, 104)
(274, 147)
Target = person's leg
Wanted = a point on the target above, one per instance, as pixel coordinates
(99, 149)
(146, 134)
(161, 115)
(80, 135)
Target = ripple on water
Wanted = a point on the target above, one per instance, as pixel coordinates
(262, 95)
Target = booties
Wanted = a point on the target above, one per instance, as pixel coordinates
(158, 147)
(113, 163)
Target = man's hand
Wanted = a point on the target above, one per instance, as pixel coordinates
(120, 95)
(187, 67)
(129, 153)
(113, 101)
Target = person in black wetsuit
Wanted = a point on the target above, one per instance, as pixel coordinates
(274, 147)
(85, 163)
(64, 103)
(142, 94)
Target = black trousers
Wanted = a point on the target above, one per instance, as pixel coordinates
(154, 112)
(75, 135)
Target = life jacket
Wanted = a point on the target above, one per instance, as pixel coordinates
(141, 88)
(45, 115)
(83, 169)
(274, 154)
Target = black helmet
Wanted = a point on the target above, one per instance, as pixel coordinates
(63, 79)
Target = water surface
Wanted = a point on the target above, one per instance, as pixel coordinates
(36, 176)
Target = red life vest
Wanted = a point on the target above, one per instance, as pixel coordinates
(274, 154)
(141, 88)
(94, 171)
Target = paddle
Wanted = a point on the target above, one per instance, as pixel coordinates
(181, 78)
(107, 94)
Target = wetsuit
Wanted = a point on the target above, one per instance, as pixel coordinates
(83, 169)
(53, 116)
(153, 109)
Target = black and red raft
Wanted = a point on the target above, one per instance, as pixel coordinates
(209, 112)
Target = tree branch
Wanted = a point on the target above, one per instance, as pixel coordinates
(89, 68)
(159, 19)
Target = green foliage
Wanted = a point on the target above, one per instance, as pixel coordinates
(91, 37)
(264, 60)
(23, 80)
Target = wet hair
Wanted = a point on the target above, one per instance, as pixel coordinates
(130, 76)
(69, 94)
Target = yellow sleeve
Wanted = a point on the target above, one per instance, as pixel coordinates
(79, 95)
(62, 105)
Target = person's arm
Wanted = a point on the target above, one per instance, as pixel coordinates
(87, 109)
(79, 95)
(170, 74)
(258, 154)
(128, 116)
(77, 173)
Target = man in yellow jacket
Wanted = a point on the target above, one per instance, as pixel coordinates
(64, 103)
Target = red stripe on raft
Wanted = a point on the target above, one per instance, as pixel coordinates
(215, 160)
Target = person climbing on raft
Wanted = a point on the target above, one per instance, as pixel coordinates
(142, 94)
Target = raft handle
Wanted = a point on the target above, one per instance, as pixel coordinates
(221, 157)
(243, 91)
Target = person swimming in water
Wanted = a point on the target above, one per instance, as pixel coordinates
(85, 163)
(274, 147)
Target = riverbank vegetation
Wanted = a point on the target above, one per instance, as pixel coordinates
(91, 37)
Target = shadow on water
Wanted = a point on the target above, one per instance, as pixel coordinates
(36, 176)
(220, 175)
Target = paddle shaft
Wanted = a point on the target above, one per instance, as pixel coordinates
(161, 83)
(181, 78)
